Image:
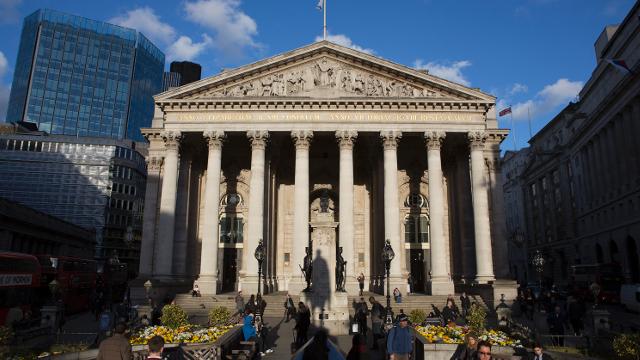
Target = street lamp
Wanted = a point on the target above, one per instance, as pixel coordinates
(147, 288)
(387, 257)
(259, 255)
(538, 263)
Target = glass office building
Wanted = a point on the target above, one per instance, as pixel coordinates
(81, 77)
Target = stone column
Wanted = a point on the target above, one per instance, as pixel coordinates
(255, 231)
(441, 283)
(162, 267)
(302, 140)
(154, 163)
(346, 233)
(391, 206)
(499, 230)
(484, 257)
(208, 279)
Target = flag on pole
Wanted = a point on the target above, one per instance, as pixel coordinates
(620, 64)
(504, 112)
(320, 4)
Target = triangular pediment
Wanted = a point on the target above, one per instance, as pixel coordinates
(324, 70)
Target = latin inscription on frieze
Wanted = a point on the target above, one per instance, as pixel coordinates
(321, 116)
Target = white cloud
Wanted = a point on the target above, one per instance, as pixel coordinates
(451, 72)
(146, 21)
(345, 41)
(4, 89)
(518, 88)
(9, 11)
(547, 99)
(185, 49)
(234, 30)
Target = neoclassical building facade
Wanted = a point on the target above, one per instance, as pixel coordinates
(324, 145)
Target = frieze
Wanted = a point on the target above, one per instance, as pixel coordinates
(324, 76)
(324, 116)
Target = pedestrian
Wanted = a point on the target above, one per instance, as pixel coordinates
(466, 351)
(249, 331)
(484, 350)
(239, 303)
(556, 322)
(400, 340)
(260, 304)
(261, 333)
(303, 322)
(449, 314)
(156, 346)
(465, 302)
(577, 311)
(538, 353)
(195, 292)
(289, 308)
(362, 310)
(116, 347)
(358, 348)
(361, 283)
(377, 315)
(397, 296)
(251, 304)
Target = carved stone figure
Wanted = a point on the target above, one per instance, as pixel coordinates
(324, 73)
(359, 86)
(341, 266)
(346, 81)
(324, 202)
(267, 83)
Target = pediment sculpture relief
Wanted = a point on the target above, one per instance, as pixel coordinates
(323, 76)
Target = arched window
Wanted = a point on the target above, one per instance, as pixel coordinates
(416, 223)
(231, 223)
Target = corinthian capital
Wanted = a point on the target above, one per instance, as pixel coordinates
(302, 138)
(390, 138)
(171, 139)
(258, 138)
(214, 138)
(434, 139)
(346, 138)
(477, 139)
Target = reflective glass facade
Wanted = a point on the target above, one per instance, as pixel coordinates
(81, 77)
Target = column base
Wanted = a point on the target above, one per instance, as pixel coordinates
(442, 287)
(485, 279)
(208, 284)
(249, 285)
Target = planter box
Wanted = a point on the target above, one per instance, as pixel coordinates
(214, 351)
(426, 350)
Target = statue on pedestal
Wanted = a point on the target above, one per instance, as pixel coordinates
(341, 266)
(307, 269)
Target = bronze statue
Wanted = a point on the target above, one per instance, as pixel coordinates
(341, 266)
(307, 269)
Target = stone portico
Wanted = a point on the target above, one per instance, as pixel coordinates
(324, 145)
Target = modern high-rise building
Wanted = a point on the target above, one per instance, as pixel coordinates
(189, 72)
(170, 80)
(82, 77)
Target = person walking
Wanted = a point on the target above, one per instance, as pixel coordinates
(361, 283)
(302, 324)
(377, 317)
(239, 303)
(116, 347)
(156, 346)
(400, 340)
(466, 351)
(362, 311)
(289, 308)
(465, 302)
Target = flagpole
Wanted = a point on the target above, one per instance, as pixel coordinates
(529, 120)
(324, 27)
(513, 130)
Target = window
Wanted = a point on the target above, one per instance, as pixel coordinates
(416, 229)
(231, 229)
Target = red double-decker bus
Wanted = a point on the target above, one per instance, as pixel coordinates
(19, 285)
(76, 279)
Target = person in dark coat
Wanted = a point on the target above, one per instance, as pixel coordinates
(538, 353)
(302, 324)
(377, 318)
(556, 321)
(358, 348)
(362, 310)
(251, 305)
(465, 302)
(449, 313)
(576, 315)
(466, 351)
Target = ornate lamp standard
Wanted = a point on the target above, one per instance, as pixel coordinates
(538, 263)
(387, 257)
(259, 255)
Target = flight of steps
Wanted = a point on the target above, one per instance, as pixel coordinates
(198, 307)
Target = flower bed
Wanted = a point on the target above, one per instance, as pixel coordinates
(455, 335)
(186, 334)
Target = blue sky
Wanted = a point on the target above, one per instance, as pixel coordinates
(533, 54)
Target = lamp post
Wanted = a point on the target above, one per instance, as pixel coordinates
(538, 263)
(387, 257)
(147, 288)
(259, 255)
